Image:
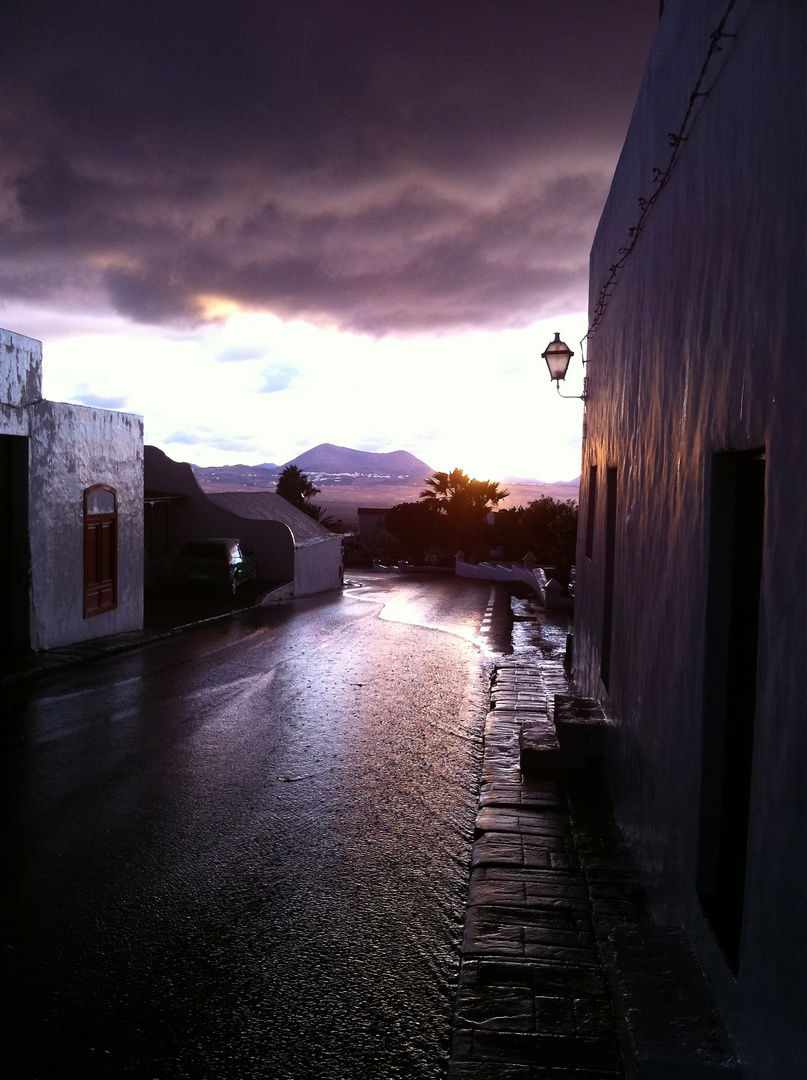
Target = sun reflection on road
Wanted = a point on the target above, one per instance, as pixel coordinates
(402, 610)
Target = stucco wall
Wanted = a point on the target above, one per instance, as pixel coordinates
(702, 349)
(318, 566)
(70, 449)
(20, 370)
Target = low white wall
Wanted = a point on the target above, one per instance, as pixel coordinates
(318, 566)
(70, 449)
(549, 592)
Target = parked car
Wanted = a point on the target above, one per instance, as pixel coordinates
(219, 562)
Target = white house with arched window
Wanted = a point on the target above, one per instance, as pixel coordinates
(71, 512)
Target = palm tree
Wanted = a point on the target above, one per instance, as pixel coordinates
(456, 490)
(295, 487)
(464, 502)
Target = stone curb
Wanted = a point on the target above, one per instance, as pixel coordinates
(533, 999)
(40, 665)
(562, 974)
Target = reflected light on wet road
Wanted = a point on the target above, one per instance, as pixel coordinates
(244, 853)
(402, 611)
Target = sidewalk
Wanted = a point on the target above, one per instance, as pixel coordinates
(562, 974)
(166, 611)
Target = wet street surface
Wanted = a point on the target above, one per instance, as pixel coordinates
(244, 852)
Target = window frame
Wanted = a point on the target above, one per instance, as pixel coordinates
(100, 555)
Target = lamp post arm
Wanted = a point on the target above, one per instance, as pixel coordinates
(573, 397)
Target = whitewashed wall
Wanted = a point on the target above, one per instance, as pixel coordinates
(701, 350)
(318, 566)
(20, 370)
(70, 449)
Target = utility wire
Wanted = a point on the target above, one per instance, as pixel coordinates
(661, 177)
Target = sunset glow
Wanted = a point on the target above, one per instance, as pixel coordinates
(254, 389)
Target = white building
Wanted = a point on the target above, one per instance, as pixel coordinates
(71, 512)
(691, 610)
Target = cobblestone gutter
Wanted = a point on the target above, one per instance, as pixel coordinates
(552, 888)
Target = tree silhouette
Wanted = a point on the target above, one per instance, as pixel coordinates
(546, 527)
(419, 527)
(295, 487)
(456, 493)
(465, 503)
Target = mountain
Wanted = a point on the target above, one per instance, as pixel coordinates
(527, 482)
(326, 465)
(327, 458)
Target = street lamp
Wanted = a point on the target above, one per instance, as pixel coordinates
(557, 355)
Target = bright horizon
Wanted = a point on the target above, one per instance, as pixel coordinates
(253, 389)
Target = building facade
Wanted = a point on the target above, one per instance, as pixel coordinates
(71, 512)
(691, 611)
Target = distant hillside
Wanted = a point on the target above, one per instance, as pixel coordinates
(237, 477)
(327, 458)
(527, 481)
(364, 478)
(326, 465)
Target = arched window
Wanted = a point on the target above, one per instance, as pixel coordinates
(100, 550)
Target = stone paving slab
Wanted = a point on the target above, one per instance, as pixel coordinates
(504, 819)
(480, 1070)
(551, 1051)
(525, 715)
(481, 975)
(532, 700)
(503, 737)
(502, 887)
(546, 934)
(499, 770)
(514, 685)
(525, 851)
(519, 686)
(510, 673)
(494, 724)
(538, 745)
(528, 693)
(543, 794)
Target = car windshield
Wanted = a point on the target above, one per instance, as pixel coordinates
(205, 551)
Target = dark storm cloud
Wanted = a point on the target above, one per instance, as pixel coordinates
(382, 166)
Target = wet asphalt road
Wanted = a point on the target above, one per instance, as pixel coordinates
(244, 852)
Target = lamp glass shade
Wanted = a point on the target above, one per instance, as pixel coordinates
(557, 355)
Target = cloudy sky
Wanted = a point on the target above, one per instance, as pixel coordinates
(265, 224)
